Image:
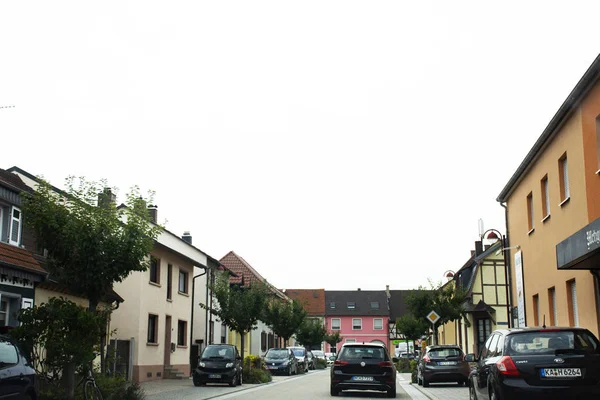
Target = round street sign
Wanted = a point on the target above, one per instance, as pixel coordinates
(433, 317)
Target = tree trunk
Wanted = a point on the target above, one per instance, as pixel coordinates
(69, 380)
(242, 334)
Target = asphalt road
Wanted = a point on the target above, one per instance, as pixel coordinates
(314, 385)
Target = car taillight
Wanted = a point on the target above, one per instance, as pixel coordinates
(385, 364)
(340, 362)
(506, 366)
(427, 359)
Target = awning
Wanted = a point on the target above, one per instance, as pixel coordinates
(581, 250)
(481, 308)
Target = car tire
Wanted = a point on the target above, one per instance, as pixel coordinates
(240, 378)
(472, 392)
(333, 391)
(392, 393)
(289, 371)
(233, 381)
(425, 382)
(196, 381)
(493, 394)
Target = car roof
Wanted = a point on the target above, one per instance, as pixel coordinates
(540, 329)
(443, 346)
(364, 345)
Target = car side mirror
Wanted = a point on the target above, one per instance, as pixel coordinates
(470, 358)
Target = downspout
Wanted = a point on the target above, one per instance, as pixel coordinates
(508, 272)
(206, 311)
(596, 274)
(194, 306)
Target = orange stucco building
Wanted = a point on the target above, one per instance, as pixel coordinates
(553, 217)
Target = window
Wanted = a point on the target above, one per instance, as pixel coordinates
(152, 328)
(536, 310)
(211, 332)
(332, 305)
(154, 270)
(598, 142)
(169, 282)
(552, 306)
(356, 324)
(335, 324)
(375, 305)
(14, 236)
(378, 324)
(223, 333)
(351, 305)
(181, 333)
(350, 340)
(183, 281)
(563, 173)
(4, 312)
(8, 354)
(530, 221)
(545, 198)
(572, 303)
(263, 341)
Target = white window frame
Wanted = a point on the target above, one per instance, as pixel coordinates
(1, 220)
(565, 170)
(10, 226)
(339, 320)
(357, 319)
(6, 320)
(574, 302)
(375, 327)
(351, 305)
(184, 281)
(546, 194)
(553, 302)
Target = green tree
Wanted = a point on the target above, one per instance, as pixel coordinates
(284, 318)
(238, 306)
(333, 338)
(91, 243)
(57, 334)
(311, 333)
(411, 328)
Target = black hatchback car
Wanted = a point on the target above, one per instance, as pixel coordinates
(364, 366)
(219, 363)
(17, 376)
(442, 363)
(537, 363)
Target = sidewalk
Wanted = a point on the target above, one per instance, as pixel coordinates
(156, 388)
(413, 390)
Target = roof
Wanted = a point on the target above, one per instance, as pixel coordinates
(18, 257)
(13, 181)
(110, 296)
(362, 300)
(244, 273)
(398, 307)
(482, 306)
(313, 300)
(466, 274)
(564, 112)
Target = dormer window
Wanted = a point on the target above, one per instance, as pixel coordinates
(14, 234)
(332, 305)
(351, 305)
(375, 305)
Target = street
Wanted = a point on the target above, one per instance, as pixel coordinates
(314, 385)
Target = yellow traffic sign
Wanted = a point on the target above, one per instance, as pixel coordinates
(433, 317)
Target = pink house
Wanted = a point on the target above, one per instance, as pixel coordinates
(358, 315)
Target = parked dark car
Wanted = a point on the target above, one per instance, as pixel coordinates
(219, 363)
(281, 361)
(364, 366)
(302, 357)
(537, 363)
(17, 376)
(442, 363)
(312, 361)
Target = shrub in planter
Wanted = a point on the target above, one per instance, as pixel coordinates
(256, 375)
(321, 364)
(403, 365)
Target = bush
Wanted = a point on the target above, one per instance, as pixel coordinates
(403, 365)
(256, 375)
(321, 364)
(112, 388)
(253, 361)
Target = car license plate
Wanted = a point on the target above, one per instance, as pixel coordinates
(561, 372)
(447, 363)
(214, 376)
(362, 378)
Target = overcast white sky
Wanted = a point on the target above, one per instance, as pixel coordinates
(332, 144)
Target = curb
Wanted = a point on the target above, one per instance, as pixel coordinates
(428, 395)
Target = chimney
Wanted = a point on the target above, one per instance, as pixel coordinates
(187, 237)
(359, 289)
(478, 247)
(387, 290)
(153, 210)
(106, 198)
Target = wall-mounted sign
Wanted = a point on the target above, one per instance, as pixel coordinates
(520, 288)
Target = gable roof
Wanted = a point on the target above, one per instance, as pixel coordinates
(465, 276)
(16, 257)
(398, 307)
(564, 112)
(313, 300)
(13, 182)
(245, 274)
(362, 300)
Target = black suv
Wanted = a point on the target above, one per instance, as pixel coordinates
(365, 366)
(537, 363)
(17, 376)
(219, 363)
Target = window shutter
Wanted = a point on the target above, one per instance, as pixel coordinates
(574, 300)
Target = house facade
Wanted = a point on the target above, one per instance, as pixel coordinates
(313, 301)
(358, 315)
(20, 260)
(552, 211)
(397, 343)
(485, 279)
(259, 340)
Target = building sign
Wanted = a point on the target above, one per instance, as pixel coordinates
(578, 247)
(520, 289)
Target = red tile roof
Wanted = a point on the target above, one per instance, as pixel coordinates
(244, 271)
(312, 299)
(17, 257)
(110, 296)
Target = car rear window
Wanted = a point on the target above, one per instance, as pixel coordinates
(362, 353)
(445, 352)
(547, 342)
(299, 352)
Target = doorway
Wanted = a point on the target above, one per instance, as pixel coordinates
(168, 340)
